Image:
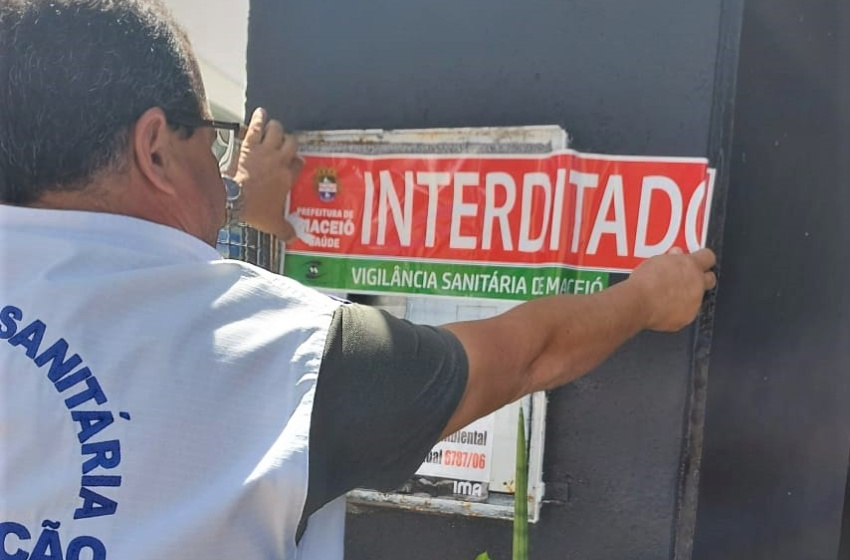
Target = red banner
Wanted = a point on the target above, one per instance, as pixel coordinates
(579, 210)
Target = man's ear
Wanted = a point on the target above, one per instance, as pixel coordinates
(152, 145)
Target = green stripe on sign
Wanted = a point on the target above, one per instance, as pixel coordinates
(441, 279)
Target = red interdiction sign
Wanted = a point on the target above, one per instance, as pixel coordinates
(567, 208)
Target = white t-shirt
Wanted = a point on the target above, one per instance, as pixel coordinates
(155, 399)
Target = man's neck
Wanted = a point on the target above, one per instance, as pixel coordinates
(119, 195)
(88, 199)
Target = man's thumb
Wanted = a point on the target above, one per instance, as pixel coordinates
(254, 135)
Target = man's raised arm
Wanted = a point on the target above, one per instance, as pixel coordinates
(546, 343)
(538, 345)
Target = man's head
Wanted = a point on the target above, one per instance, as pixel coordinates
(102, 89)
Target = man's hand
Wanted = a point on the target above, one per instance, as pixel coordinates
(545, 343)
(674, 285)
(267, 168)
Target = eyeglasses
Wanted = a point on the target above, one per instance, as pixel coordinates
(228, 139)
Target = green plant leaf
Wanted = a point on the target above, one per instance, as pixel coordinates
(520, 544)
(483, 556)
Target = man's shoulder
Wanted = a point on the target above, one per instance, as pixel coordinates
(253, 282)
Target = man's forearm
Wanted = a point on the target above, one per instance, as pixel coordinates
(579, 332)
(543, 344)
(549, 342)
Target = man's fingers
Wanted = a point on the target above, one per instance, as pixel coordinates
(710, 280)
(274, 135)
(675, 251)
(296, 167)
(286, 232)
(254, 135)
(704, 258)
(268, 165)
(290, 147)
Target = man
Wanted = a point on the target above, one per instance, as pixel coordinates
(158, 402)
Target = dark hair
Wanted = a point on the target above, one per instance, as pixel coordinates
(74, 77)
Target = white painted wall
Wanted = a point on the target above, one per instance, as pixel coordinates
(218, 30)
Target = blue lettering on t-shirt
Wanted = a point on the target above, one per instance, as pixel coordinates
(59, 367)
(76, 546)
(9, 316)
(48, 544)
(107, 454)
(94, 504)
(65, 373)
(92, 392)
(91, 422)
(72, 379)
(20, 532)
(30, 337)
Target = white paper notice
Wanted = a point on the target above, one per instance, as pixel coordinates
(465, 455)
